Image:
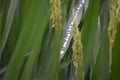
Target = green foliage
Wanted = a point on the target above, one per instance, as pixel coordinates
(116, 57)
(30, 46)
(89, 33)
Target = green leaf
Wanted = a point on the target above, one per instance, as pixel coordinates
(101, 68)
(115, 75)
(0, 25)
(89, 33)
(12, 39)
(8, 24)
(33, 57)
(29, 26)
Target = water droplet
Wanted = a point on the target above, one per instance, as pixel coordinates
(80, 5)
(62, 52)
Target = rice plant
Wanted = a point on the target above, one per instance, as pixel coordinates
(59, 39)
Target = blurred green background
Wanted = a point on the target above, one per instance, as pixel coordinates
(30, 46)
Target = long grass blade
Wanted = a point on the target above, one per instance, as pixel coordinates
(29, 26)
(115, 75)
(101, 68)
(8, 24)
(89, 32)
(26, 75)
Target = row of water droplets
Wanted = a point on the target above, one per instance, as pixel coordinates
(78, 10)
